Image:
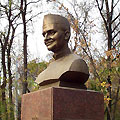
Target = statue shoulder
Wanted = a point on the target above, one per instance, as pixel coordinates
(79, 65)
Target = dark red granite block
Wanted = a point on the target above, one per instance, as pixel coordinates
(63, 104)
(71, 104)
(37, 105)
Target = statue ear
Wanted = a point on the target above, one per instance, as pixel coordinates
(67, 35)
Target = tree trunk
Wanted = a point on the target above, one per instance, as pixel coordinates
(10, 84)
(23, 11)
(3, 87)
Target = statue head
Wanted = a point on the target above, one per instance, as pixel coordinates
(56, 30)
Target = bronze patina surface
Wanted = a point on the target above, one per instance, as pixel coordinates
(68, 69)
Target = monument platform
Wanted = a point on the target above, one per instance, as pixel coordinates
(58, 103)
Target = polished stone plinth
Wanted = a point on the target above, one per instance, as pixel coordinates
(62, 104)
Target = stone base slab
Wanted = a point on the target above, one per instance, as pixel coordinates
(59, 103)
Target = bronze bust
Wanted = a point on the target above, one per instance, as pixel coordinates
(68, 69)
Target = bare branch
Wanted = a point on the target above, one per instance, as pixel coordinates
(12, 37)
(112, 8)
(30, 19)
(115, 27)
(107, 10)
(15, 17)
(4, 6)
(116, 4)
(1, 42)
(116, 43)
(105, 22)
(102, 5)
(115, 18)
(115, 35)
(33, 2)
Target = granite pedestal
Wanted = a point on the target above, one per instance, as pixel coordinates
(58, 103)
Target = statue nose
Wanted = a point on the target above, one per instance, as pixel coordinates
(47, 36)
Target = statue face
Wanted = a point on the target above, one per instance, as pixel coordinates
(54, 36)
